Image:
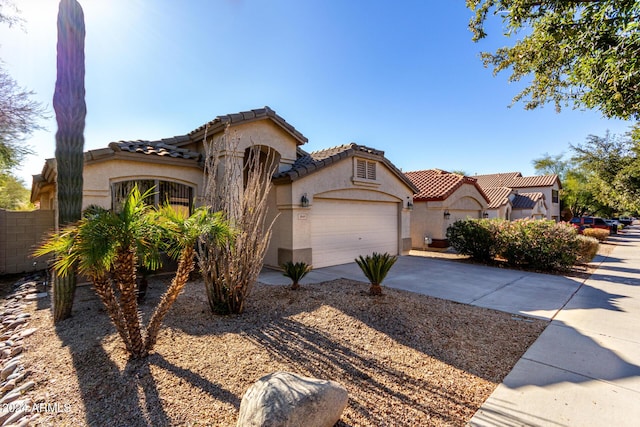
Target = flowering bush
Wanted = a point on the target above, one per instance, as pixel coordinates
(537, 244)
(474, 237)
(587, 248)
(599, 233)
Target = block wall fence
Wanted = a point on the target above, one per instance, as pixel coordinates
(20, 233)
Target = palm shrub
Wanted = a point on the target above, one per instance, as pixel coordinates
(182, 233)
(295, 271)
(109, 246)
(375, 267)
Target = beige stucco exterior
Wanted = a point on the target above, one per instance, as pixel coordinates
(292, 227)
(428, 222)
(292, 240)
(551, 208)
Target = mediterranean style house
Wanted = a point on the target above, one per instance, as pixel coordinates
(513, 196)
(443, 199)
(329, 206)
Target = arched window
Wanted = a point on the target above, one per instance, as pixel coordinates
(178, 195)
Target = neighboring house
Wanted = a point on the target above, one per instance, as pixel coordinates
(331, 205)
(500, 202)
(529, 205)
(443, 198)
(548, 185)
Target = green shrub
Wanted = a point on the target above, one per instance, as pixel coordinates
(475, 237)
(538, 244)
(599, 233)
(295, 271)
(587, 248)
(375, 267)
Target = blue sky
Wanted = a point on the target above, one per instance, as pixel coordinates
(399, 76)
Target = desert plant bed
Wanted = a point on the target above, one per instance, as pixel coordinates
(406, 359)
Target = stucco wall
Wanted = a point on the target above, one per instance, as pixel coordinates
(427, 218)
(553, 209)
(98, 177)
(333, 182)
(20, 233)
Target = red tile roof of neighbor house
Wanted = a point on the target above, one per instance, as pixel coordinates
(526, 200)
(516, 180)
(498, 196)
(308, 163)
(436, 184)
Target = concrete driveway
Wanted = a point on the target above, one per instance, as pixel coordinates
(518, 292)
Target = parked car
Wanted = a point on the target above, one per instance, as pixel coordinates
(582, 222)
(625, 220)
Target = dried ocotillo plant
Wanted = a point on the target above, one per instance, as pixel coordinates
(237, 183)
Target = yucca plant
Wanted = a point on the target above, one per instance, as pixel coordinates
(375, 267)
(295, 271)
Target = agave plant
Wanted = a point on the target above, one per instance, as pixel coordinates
(375, 267)
(295, 271)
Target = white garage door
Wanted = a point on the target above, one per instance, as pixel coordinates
(341, 230)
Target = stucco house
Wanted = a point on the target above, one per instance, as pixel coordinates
(443, 198)
(331, 205)
(548, 185)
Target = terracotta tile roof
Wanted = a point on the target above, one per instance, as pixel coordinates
(436, 184)
(496, 179)
(526, 200)
(247, 116)
(308, 163)
(535, 181)
(498, 196)
(165, 147)
(516, 180)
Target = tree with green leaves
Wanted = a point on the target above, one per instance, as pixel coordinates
(612, 165)
(13, 194)
(69, 105)
(582, 53)
(19, 113)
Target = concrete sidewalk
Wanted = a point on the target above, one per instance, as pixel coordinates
(584, 369)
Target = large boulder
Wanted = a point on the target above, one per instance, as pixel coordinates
(284, 399)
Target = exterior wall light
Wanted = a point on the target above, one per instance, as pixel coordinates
(447, 215)
(409, 203)
(304, 201)
(485, 214)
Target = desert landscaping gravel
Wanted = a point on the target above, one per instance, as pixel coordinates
(405, 359)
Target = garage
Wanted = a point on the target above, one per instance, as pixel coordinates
(341, 230)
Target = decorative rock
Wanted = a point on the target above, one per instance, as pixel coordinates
(8, 370)
(9, 385)
(27, 332)
(284, 399)
(16, 350)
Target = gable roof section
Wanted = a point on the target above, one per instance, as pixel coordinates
(308, 163)
(496, 179)
(526, 200)
(498, 196)
(535, 181)
(436, 184)
(516, 180)
(220, 122)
